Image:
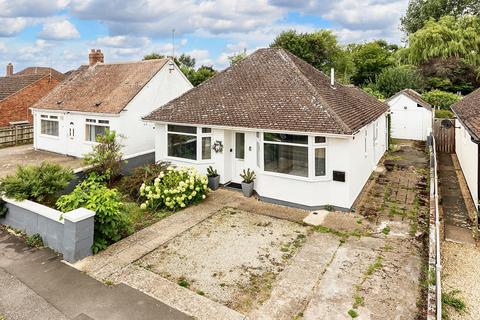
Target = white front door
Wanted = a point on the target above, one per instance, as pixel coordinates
(71, 145)
(238, 156)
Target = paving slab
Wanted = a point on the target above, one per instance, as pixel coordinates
(295, 285)
(174, 295)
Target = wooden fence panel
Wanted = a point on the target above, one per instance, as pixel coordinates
(15, 135)
(444, 132)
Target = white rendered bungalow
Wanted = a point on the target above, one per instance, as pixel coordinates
(467, 140)
(312, 142)
(106, 96)
(411, 116)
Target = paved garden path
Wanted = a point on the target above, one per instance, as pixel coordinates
(35, 284)
(458, 226)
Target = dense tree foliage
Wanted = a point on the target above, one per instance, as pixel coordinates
(370, 59)
(395, 79)
(441, 99)
(446, 38)
(187, 64)
(420, 11)
(319, 48)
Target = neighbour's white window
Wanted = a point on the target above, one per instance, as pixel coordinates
(285, 153)
(183, 142)
(49, 125)
(95, 128)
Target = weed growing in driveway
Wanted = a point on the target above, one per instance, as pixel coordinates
(200, 292)
(386, 230)
(374, 266)
(342, 234)
(182, 282)
(452, 300)
(108, 282)
(358, 299)
(35, 241)
(353, 313)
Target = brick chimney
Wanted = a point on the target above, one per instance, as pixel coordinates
(95, 56)
(9, 69)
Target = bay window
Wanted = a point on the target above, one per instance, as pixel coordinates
(188, 142)
(49, 125)
(297, 155)
(285, 153)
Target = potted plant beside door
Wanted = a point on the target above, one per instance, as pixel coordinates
(248, 177)
(213, 178)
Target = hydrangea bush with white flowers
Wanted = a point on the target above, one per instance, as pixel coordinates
(174, 189)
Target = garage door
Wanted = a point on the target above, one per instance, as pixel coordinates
(407, 124)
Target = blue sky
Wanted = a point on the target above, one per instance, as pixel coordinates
(61, 32)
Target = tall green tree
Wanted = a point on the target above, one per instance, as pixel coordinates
(421, 11)
(448, 37)
(395, 79)
(186, 63)
(370, 59)
(153, 55)
(319, 48)
(237, 57)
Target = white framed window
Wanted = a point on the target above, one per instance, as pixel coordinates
(49, 125)
(188, 142)
(285, 153)
(95, 128)
(320, 156)
(297, 155)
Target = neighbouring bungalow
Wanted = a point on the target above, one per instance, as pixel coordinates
(20, 91)
(411, 116)
(467, 140)
(311, 141)
(104, 96)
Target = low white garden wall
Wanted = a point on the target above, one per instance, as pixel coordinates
(70, 234)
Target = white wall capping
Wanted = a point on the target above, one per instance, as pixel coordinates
(38, 208)
(78, 215)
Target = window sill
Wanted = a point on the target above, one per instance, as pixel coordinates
(190, 160)
(292, 177)
(49, 136)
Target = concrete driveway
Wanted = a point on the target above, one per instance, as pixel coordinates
(11, 157)
(348, 267)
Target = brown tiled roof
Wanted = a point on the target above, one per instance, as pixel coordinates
(12, 84)
(415, 96)
(273, 89)
(42, 70)
(467, 111)
(102, 88)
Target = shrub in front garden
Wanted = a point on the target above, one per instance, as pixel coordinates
(39, 183)
(111, 222)
(174, 189)
(106, 156)
(130, 185)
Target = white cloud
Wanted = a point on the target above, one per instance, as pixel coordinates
(10, 27)
(122, 41)
(202, 57)
(158, 17)
(31, 8)
(59, 30)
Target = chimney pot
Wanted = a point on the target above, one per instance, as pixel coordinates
(9, 69)
(95, 56)
(332, 77)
